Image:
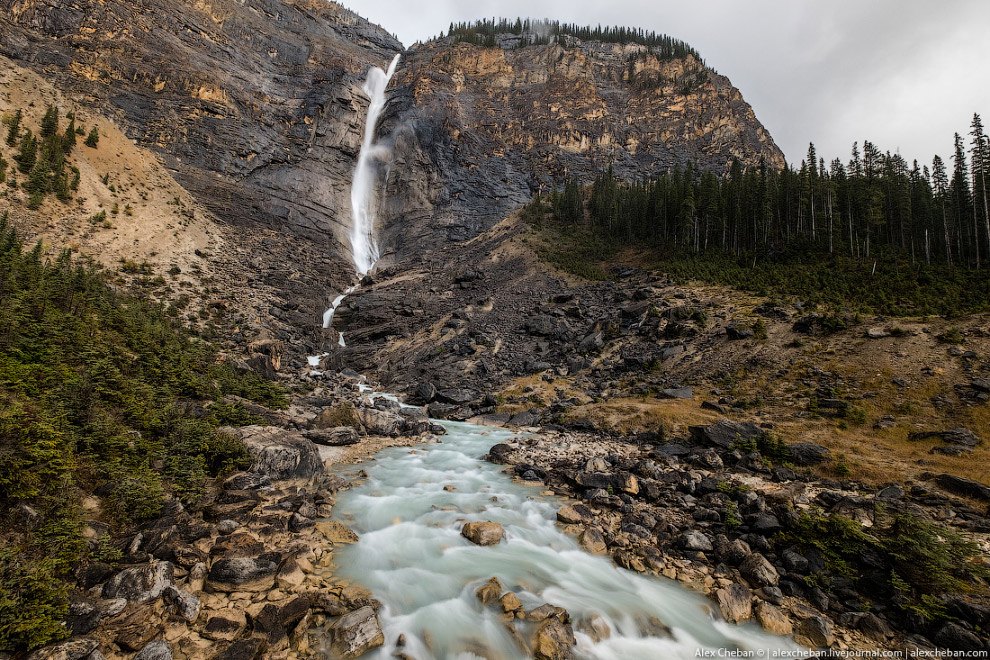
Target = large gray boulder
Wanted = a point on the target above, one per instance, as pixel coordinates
(482, 533)
(141, 584)
(158, 650)
(77, 649)
(340, 436)
(808, 453)
(723, 434)
(280, 454)
(963, 486)
(242, 574)
(380, 422)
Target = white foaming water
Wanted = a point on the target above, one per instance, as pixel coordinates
(413, 559)
(364, 194)
(328, 315)
(341, 342)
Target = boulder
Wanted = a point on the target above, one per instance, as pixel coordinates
(340, 436)
(224, 628)
(758, 571)
(483, 533)
(571, 515)
(725, 433)
(77, 649)
(510, 602)
(336, 533)
(245, 649)
(158, 650)
(280, 454)
(817, 630)
(808, 453)
(677, 393)
(956, 638)
(141, 584)
(380, 422)
(356, 633)
(186, 605)
(553, 640)
(735, 602)
(592, 343)
(772, 619)
(958, 436)
(963, 486)
(695, 541)
(595, 627)
(242, 574)
(593, 541)
(489, 592)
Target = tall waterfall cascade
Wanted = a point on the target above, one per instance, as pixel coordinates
(364, 188)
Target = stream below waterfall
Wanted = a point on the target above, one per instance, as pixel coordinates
(414, 560)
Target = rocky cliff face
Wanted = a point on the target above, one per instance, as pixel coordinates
(480, 129)
(255, 104)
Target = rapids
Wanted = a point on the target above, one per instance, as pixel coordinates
(412, 557)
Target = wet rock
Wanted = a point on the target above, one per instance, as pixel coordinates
(817, 630)
(489, 592)
(158, 650)
(571, 515)
(772, 619)
(425, 393)
(553, 640)
(499, 454)
(758, 571)
(141, 584)
(483, 533)
(963, 486)
(724, 433)
(593, 541)
(340, 436)
(868, 623)
(336, 533)
(84, 614)
(510, 602)
(242, 574)
(546, 611)
(356, 633)
(279, 454)
(734, 602)
(808, 453)
(595, 627)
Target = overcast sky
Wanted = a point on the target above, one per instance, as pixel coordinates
(904, 74)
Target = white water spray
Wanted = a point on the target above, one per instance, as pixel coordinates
(364, 193)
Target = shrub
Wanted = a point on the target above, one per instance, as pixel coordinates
(32, 602)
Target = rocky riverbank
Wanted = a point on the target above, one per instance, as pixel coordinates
(248, 572)
(762, 537)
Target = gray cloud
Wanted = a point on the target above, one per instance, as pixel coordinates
(905, 74)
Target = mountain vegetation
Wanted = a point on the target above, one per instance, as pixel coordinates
(43, 159)
(531, 32)
(100, 392)
(874, 232)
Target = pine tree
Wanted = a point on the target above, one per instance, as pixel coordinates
(940, 185)
(49, 123)
(14, 128)
(69, 137)
(28, 154)
(93, 138)
(960, 196)
(980, 153)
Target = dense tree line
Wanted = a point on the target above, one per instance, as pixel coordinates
(876, 205)
(874, 232)
(537, 32)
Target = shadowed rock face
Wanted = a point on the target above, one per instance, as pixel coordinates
(256, 105)
(479, 130)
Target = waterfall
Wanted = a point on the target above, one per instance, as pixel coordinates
(364, 193)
